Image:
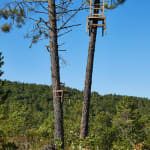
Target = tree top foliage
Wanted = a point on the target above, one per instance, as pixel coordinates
(17, 13)
(111, 4)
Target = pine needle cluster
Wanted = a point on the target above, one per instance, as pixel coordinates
(16, 15)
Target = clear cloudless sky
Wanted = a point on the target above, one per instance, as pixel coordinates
(122, 57)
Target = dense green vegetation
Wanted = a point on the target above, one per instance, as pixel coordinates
(116, 122)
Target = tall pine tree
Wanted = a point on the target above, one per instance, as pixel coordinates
(51, 20)
(89, 68)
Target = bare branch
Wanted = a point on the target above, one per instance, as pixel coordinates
(70, 26)
(71, 16)
(64, 33)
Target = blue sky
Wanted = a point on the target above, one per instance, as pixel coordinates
(121, 64)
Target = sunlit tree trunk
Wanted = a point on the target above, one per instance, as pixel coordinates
(55, 75)
(88, 80)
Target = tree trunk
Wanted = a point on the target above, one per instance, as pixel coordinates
(88, 79)
(55, 76)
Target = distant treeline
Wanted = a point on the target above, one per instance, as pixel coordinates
(116, 122)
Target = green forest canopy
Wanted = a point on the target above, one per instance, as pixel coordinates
(26, 118)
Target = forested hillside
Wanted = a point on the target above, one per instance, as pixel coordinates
(116, 122)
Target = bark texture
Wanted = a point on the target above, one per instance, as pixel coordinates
(88, 79)
(55, 76)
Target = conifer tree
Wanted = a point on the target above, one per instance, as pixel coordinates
(50, 20)
(2, 95)
(89, 69)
